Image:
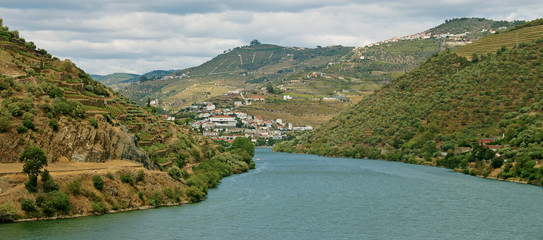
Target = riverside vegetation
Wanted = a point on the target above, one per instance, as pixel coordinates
(436, 113)
(53, 115)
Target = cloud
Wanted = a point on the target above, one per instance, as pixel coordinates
(105, 36)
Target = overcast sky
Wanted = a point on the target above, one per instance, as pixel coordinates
(138, 36)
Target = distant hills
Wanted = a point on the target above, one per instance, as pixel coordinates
(440, 112)
(119, 81)
(306, 74)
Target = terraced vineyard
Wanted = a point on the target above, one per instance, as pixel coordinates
(492, 43)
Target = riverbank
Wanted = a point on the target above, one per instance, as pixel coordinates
(72, 189)
(480, 169)
(126, 186)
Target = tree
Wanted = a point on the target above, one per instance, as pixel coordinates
(245, 144)
(254, 42)
(34, 159)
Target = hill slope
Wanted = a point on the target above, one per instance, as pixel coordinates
(83, 129)
(446, 105)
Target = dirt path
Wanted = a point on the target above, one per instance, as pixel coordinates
(66, 168)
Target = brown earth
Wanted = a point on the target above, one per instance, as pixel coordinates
(116, 196)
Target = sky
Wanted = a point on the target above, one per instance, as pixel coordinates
(138, 36)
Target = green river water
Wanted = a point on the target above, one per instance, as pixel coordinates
(297, 196)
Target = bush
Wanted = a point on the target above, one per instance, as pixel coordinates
(21, 129)
(32, 184)
(5, 124)
(110, 176)
(175, 172)
(99, 207)
(49, 185)
(8, 213)
(53, 123)
(75, 187)
(127, 178)
(156, 199)
(98, 182)
(53, 202)
(169, 193)
(497, 162)
(195, 194)
(28, 205)
(140, 176)
(93, 122)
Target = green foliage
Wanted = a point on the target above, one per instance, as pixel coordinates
(98, 182)
(32, 184)
(156, 199)
(99, 208)
(21, 129)
(127, 178)
(497, 162)
(49, 185)
(140, 177)
(28, 205)
(93, 122)
(174, 172)
(5, 124)
(110, 175)
(8, 213)
(54, 202)
(34, 159)
(75, 187)
(53, 123)
(245, 144)
(69, 108)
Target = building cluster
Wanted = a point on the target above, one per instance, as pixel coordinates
(227, 124)
(453, 39)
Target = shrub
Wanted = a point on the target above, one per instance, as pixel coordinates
(127, 178)
(140, 176)
(32, 184)
(169, 193)
(8, 213)
(195, 194)
(156, 199)
(99, 207)
(93, 122)
(497, 162)
(53, 202)
(75, 187)
(21, 129)
(28, 205)
(5, 124)
(141, 196)
(49, 185)
(174, 172)
(53, 123)
(110, 176)
(98, 182)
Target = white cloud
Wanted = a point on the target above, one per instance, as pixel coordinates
(105, 36)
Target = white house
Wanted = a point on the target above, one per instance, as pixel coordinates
(210, 107)
(223, 121)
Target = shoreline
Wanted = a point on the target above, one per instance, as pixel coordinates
(432, 165)
(147, 207)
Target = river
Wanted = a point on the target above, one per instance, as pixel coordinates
(298, 196)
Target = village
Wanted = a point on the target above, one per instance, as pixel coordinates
(227, 124)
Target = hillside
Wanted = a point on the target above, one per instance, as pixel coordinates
(118, 81)
(306, 74)
(248, 67)
(474, 26)
(508, 39)
(438, 112)
(53, 112)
